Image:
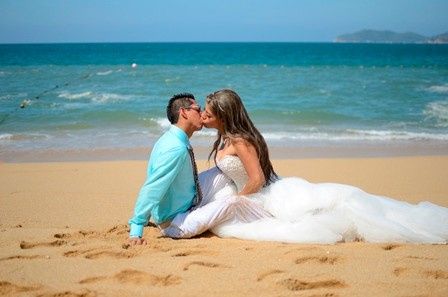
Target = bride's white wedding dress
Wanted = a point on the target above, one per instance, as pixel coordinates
(321, 213)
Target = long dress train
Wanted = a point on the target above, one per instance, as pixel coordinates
(324, 212)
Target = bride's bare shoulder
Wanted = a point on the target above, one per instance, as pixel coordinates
(243, 147)
(239, 141)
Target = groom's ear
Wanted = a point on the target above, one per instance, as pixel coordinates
(183, 113)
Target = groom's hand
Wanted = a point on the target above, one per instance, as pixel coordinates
(137, 241)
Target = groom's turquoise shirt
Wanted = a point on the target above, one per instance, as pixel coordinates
(169, 188)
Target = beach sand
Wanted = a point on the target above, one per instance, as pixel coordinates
(63, 232)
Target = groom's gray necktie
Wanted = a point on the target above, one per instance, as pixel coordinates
(198, 197)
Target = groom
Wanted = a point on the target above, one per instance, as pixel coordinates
(171, 186)
(171, 194)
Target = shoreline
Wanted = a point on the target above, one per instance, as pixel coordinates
(276, 151)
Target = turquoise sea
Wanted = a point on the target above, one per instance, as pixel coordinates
(88, 97)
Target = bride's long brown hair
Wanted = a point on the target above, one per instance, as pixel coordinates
(227, 106)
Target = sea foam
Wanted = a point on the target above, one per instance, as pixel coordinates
(353, 135)
(102, 73)
(438, 110)
(109, 97)
(6, 136)
(24, 136)
(74, 96)
(162, 123)
(439, 89)
(95, 97)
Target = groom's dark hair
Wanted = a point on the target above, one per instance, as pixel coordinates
(176, 103)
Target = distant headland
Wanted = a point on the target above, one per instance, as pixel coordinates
(375, 36)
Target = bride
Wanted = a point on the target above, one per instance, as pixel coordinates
(293, 209)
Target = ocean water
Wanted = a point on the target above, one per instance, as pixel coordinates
(88, 97)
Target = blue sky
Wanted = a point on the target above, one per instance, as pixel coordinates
(32, 21)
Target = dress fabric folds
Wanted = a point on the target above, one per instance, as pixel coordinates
(295, 210)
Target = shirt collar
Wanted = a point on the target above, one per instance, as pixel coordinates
(179, 133)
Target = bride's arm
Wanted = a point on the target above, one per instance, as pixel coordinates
(249, 157)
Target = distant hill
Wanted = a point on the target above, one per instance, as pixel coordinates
(374, 36)
(441, 38)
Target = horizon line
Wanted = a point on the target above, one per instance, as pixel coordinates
(171, 41)
(199, 42)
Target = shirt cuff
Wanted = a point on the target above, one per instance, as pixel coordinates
(136, 230)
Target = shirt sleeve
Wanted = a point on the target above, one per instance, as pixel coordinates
(165, 169)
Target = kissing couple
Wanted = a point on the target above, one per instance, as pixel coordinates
(243, 197)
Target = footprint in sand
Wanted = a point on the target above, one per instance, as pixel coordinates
(62, 235)
(7, 288)
(137, 277)
(96, 253)
(389, 247)
(436, 274)
(192, 253)
(293, 284)
(88, 234)
(109, 254)
(29, 245)
(119, 230)
(399, 271)
(420, 258)
(319, 259)
(20, 257)
(263, 275)
(94, 279)
(81, 293)
(204, 264)
(77, 253)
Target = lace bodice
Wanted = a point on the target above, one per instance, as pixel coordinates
(232, 166)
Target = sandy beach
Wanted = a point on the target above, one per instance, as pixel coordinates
(63, 232)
